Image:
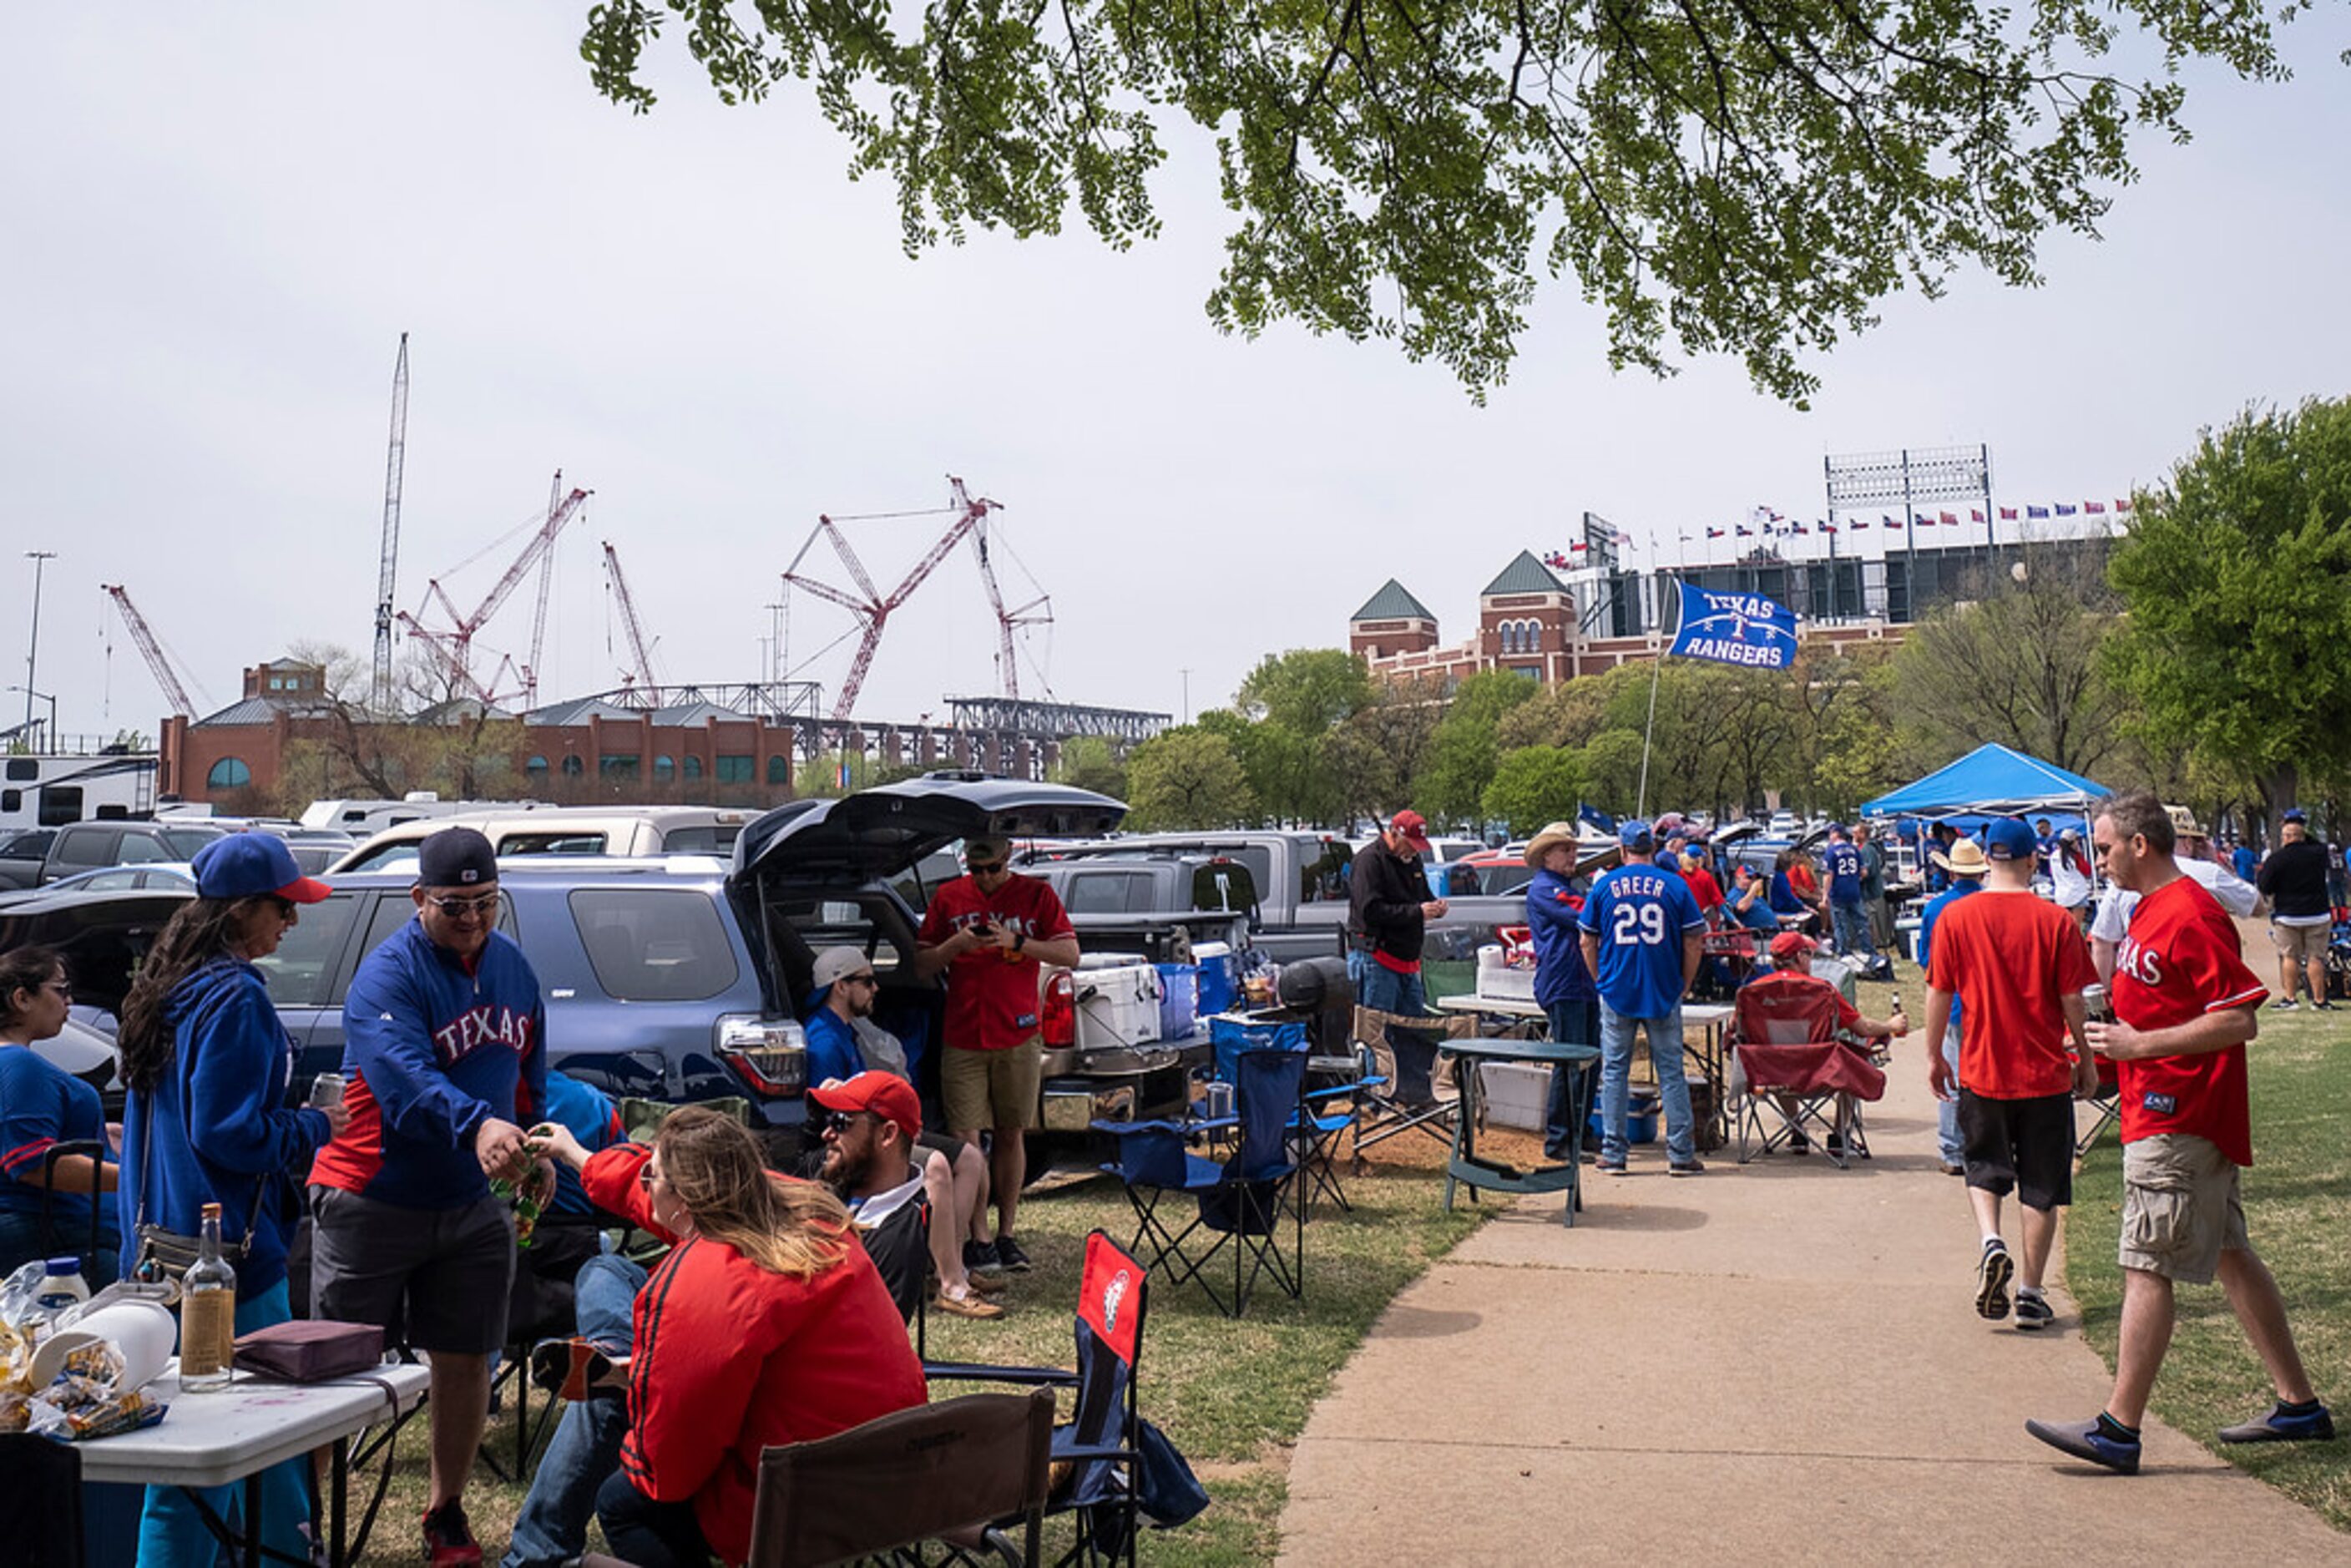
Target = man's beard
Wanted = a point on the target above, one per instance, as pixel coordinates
(839, 1170)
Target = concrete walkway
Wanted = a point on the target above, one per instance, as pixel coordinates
(1778, 1360)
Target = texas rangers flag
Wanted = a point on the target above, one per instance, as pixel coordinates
(1735, 628)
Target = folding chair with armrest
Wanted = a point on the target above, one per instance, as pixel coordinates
(1798, 1073)
(1101, 1439)
(1242, 1201)
(1379, 1114)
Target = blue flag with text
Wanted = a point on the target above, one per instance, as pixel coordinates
(1735, 628)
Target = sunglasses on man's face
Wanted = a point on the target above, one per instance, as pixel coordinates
(837, 1123)
(485, 906)
(984, 868)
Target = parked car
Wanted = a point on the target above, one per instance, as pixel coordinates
(24, 856)
(562, 831)
(94, 846)
(177, 874)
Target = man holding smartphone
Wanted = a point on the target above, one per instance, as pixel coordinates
(992, 932)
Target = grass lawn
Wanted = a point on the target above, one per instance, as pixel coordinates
(2297, 1203)
(1232, 1395)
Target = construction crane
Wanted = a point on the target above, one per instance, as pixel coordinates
(453, 648)
(642, 674)
(394, 465)
(873, 610)
(152, 650)
(539, 613)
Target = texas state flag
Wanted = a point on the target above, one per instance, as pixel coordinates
(1714, 533)
(1832, 528)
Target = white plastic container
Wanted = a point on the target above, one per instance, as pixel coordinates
(1117, 1006)
(1517, 1094)
(1500, 981)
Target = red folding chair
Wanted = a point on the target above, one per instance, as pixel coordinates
(1794, 1076)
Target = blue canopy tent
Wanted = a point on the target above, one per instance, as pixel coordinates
(1991, 782)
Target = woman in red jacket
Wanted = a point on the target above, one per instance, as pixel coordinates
(767, 1325)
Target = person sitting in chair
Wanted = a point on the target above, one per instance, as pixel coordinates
(1791, 958)
(870, 1124)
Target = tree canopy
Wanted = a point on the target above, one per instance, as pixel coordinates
(1748, 177)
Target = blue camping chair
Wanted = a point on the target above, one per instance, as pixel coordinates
(1243, 1201)
(1106, 1439)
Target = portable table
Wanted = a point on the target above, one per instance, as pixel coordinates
(1467, 1168)
(1702, 1026)
(236, 1433)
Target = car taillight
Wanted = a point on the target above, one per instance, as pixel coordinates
(769, 1055)
(1058, 1018)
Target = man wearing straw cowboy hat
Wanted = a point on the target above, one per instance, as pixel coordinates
(1563, 987)
(1964, 867)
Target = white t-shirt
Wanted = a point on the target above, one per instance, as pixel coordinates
(2237, 896)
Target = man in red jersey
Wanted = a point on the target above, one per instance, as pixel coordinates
(2186, 1005)
(993, 930)
(2018, 965)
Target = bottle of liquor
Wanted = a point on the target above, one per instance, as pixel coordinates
(208, 1312)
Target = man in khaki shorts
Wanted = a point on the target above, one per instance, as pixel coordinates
(2186, 1005)
(2301, 915)
(992, 932)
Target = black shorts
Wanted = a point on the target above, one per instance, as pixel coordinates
(944, 1143)
(2021, 1146)
(432, 1279)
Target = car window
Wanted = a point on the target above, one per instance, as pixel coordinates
(718, 838)
(111, 880)
(552, 844)
(301, 972)
(653, 945)
(89, 848)
(1107, 893)
(822, 923)
(33, 845)
(185, 842)
(137, 848)
(398, 856)
(391, 912)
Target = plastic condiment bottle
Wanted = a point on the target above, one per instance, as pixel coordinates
(63, 1289)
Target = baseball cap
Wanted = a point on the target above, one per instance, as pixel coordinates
(2009, 839)
(1838, 827)
(988, 849)
(2294, 814)
(885, 1095)
(1636, 836)
(243, 865)
(455, 857)
(1412, 827)
(1792, 947)
(839, 963)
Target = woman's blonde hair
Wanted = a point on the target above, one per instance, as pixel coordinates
(712, 1164)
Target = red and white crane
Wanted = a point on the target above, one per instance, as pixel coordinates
(642, 674)
(152, 650)
(872, 610)
(453, 648)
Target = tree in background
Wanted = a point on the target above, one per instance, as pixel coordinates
(1375, 754)
(1290, 701)
(832, 774)
(2023, 667)
(450, 744)
(1750, 180)
(2237, 576)
(1186, 779)
(1091, 762)
(1463, 752)
(1534, 786)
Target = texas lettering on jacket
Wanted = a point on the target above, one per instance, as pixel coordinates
(485, 1025)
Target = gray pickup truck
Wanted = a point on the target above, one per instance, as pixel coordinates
(1291, 886)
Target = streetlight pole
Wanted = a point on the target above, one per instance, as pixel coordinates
(49, 735)
(40, 558)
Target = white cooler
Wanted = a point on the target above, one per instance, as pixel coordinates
(1117, 1005)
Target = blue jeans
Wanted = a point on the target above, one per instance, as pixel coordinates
(552, 1527)
(1616, 1089)
(1576, 1021)
(172, 1531)
(1947, 1111)
(22, 1242)
(1386, 991)
(1852, 922)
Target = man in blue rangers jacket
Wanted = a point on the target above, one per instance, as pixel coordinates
(445, 1061)
(1643, 936)
(1563, 987)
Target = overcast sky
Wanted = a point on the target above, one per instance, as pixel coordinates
(223, 217)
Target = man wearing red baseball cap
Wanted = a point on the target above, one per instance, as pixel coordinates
(1391, 908)
(870, 1123)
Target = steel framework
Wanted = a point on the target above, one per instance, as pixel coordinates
(395, 463)
(1053, 721)
(454, 649)
(151, 650)
(641, 672)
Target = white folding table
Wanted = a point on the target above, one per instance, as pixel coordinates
(233, 1434)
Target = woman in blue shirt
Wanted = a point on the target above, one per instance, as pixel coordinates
(1785, 899)
(1563, 987)
(41, 1106)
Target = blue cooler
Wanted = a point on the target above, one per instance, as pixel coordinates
(1218, 984)
(1179, 1000)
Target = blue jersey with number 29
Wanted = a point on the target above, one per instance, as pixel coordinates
(1641, 916)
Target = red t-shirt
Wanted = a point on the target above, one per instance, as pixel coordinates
(2180, 960)
(992, 1001)
(2009, 956)
(1704, 888)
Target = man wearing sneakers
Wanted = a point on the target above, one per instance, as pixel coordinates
(1965, 868)
(2019, 966)
(2293, 879)
(2186, 1006)
(993, 930)
(1643, 936)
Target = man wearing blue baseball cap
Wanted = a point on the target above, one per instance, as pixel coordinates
(2019, 966)
(1643, 936)
(1848, 921)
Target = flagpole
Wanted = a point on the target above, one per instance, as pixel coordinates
(1657, 669)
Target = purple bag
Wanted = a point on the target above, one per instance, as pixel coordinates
(310, 1350)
